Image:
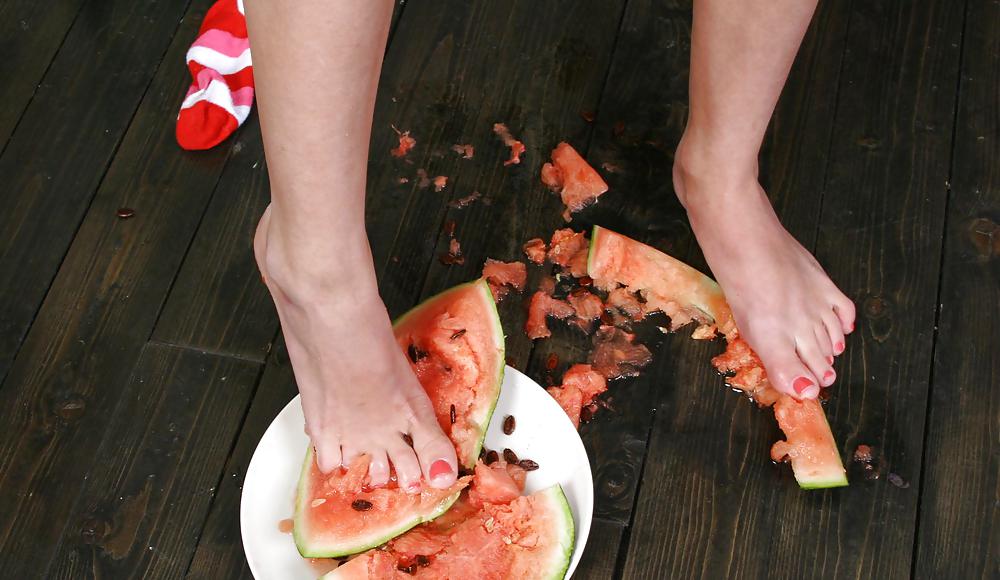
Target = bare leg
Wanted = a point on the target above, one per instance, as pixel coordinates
(786, 307)
(316, 65)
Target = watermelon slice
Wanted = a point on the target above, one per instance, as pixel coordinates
(686, 295)
(456, 347)
(498, 534)
(667, 284)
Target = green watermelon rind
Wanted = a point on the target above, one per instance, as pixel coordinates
(823, 481)
(556, 495)
(562, 556)
(807, 483)
(707, 282)
(302, 543)
(346, 549)
(484, 288)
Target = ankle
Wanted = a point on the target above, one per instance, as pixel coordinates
(302, 270)
(707, 170)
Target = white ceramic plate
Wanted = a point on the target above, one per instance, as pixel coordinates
(543, 433)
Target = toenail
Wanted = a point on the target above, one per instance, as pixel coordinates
(439, 468)
(828, 376)
(414, 486)
(839, 347)
(829, 360)
(851, 329)
(800, 384)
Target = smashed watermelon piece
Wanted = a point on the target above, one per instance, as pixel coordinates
(580, 386)
(576, 182)
(405, 143)
(535, 250)
(502, 276)
(569, 249)
(543, 305)
(516, 147)
(616, 354)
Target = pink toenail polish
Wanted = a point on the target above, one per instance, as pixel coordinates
(828, 376)
(413, 487)
(839, 347)
(439, 468)
(852, 328)
(800, 384)
(829, 360)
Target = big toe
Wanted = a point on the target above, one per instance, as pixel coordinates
(786, 371)
(436, 455)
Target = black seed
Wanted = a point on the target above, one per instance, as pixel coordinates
(422, 561)
(509, 424)
(527, 465)
(415, 353)
(492, 457)
(509, 456)
(458, 334)
(125, 212)
(451, 414)
(408, 439)
(411, 569)
(361, 505)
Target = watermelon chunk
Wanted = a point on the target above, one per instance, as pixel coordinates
(456, 347)
(623, 267)
(569, 175)
(529, 538)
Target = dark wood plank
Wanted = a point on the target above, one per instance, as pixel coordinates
(220, 549)
(79, 112)
(158, 466)
(99, 312)
(958, 530)
(601, 555)
(459, 71)
(880, 240)
(218, 302)
(30, 34)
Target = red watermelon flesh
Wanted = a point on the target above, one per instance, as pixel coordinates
(569, 249)
(456, 348)
(577, 183)
(513, 536)
(685, 295)
(580, 385)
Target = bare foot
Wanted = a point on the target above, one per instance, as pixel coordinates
(784, 304)
(359, 394)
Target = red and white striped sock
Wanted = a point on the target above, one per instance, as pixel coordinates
(221, 94)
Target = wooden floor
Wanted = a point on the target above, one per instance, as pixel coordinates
(140, 359)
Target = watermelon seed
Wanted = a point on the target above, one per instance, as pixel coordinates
(125, 212)
(509, 456)
(408, 439)
(586, 281)
(361, 505)
(488, 524)
(451, 414)
(318, 502)
(509, 424)
(492, 457)
(527, 465)
(411, 569)
(458, 334)
(423, 561)
(415, 353)
(578, 292)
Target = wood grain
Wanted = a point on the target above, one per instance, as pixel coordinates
(79, 112)
(878, 238)
(166, 443)
(100, 311)
(959, 524)
(30, 34)
(219, 553)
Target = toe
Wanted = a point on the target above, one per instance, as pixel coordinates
(404, 461)
(823, 342)
(845, 312)
(835, 331)
(436, 454)
(786, 371)
(328, 453)
(378, 468)
(815, 359)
